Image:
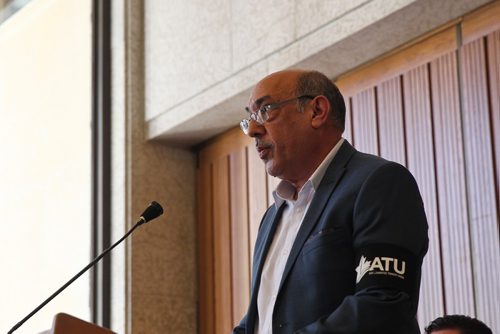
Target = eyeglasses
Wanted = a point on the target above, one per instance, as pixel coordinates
(261, 115)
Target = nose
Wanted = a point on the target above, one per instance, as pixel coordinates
(255, 129)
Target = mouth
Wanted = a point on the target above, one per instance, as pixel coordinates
(263, 151)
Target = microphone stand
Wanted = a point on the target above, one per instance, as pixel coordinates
(141, 221)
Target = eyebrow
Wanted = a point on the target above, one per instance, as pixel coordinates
(259, 102)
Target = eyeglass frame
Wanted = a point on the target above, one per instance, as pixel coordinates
(261, 115)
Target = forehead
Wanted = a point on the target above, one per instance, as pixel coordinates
(276, 86)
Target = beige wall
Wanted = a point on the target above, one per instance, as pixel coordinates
(45, 136)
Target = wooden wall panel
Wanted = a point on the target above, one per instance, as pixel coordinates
(493, 42)
(257, 188)
(482, 204)
(205, 249)
(348, 121)
(481, 23)
(399, 61)
(240, 247)
(364, 120)
(222, 247)
(391, 120)
(451, 189)
(419, 130)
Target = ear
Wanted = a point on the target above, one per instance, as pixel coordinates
(320, 111)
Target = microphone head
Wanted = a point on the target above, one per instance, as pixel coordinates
(153, 211)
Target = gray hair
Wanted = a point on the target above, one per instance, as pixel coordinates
(316, 83)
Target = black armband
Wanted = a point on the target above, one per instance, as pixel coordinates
(386, 266)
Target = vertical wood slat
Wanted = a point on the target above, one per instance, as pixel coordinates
(364, 118)
(205, 250)
(257, 189)
(483, 219)
(240, 248)
(348, 133)
(214, 314)
(420, 162)
(450, 172)
(493, 42)
(222, 247)
(391, 120)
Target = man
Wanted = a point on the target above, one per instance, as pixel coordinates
(457, 324)
(341, 249)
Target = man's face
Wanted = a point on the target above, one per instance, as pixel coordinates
(282, 140)
(446, 331)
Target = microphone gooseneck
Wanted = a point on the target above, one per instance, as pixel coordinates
(153, 211)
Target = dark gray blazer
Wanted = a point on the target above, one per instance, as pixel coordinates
(355, 265)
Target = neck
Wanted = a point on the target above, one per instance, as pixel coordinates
(314, 161)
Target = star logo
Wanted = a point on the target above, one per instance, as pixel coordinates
(362, 268)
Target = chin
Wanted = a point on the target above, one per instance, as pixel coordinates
(271, 169)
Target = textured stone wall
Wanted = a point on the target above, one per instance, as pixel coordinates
(154, 273)
(202, 57)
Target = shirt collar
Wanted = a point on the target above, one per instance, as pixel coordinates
(286, 190)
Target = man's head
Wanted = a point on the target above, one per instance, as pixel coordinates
(457, 324)
(296, 117)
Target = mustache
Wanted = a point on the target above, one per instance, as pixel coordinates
(260, 144)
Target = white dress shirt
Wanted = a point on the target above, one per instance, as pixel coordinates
(284, 237)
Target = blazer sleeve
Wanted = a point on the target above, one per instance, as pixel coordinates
(389, 221)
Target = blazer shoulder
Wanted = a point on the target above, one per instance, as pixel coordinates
(374, 163)
(349, 157)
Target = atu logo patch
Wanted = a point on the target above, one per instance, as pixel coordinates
(380, 266)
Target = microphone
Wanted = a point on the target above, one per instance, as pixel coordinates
(154, 210)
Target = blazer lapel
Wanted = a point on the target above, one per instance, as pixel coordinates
(261, 248)
(332, 176)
